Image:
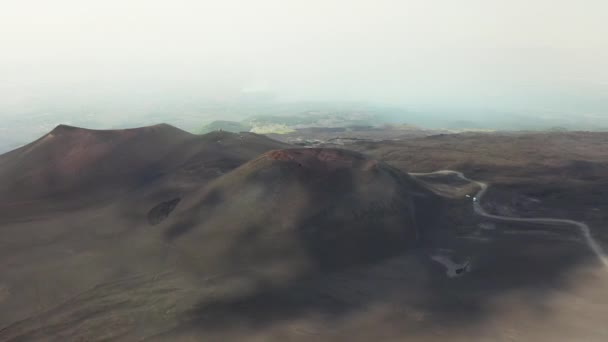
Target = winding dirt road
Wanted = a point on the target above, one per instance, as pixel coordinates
(583, 228)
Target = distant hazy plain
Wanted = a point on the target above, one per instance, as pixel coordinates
(490, 63)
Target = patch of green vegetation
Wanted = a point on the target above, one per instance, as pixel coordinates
(224, 125)
(314, 120)
(291, 120)
(283, 124)
(272, 128)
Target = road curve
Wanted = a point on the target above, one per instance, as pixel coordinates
(583, 228)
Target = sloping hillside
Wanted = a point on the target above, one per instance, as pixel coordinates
(316, 209)
(83, 166)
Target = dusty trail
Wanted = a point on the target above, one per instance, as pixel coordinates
(583, 228)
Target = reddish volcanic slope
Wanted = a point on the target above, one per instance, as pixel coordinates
(317, 209)
(77, 206)
(328, 159)
(89, 165)
(75, 159)
(232, 237)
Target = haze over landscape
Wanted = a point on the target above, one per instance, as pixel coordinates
(304, 170)
(499, 64)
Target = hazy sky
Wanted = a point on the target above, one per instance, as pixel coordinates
(514, 55)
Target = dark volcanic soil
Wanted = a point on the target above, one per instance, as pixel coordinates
(315, 209)
(532, 174)
(74, 167)
(155, 234)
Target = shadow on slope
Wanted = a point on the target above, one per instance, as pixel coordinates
(74, 167)
(306, 240)
(533, 267)
(337, 207)
(323, 236)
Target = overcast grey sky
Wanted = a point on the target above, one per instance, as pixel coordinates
(514, 55)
